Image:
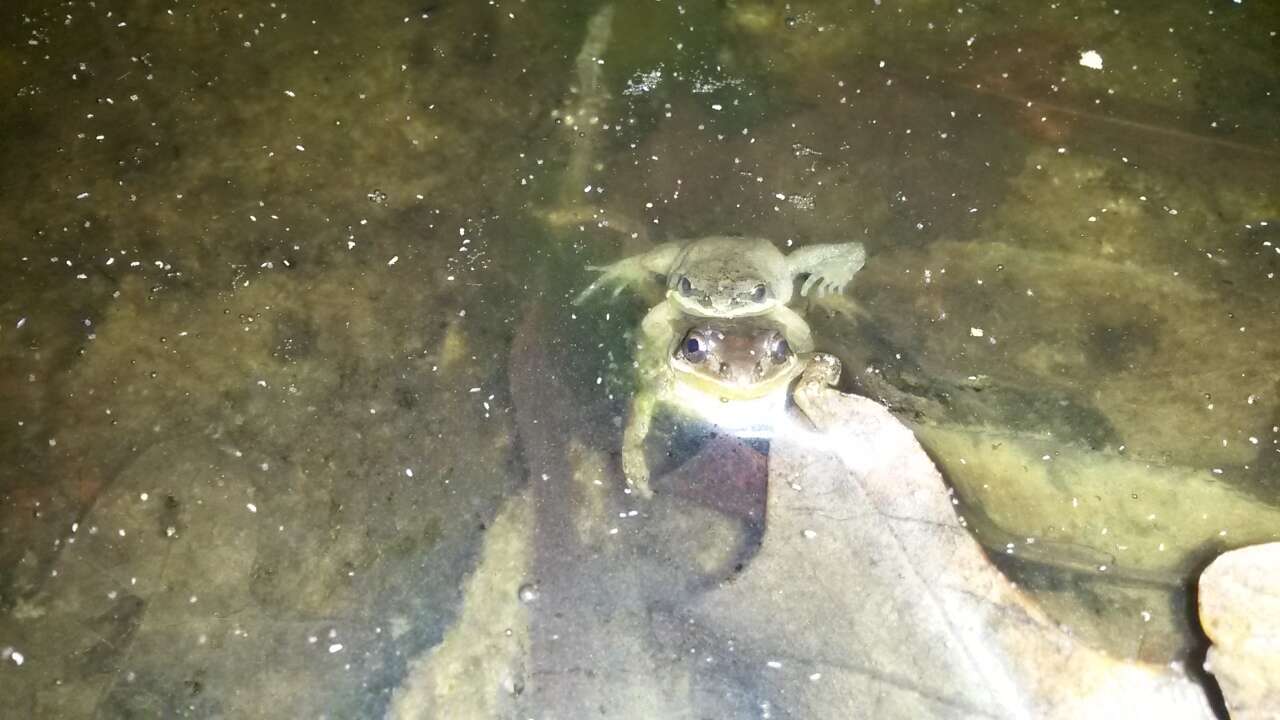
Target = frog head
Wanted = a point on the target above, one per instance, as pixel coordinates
(725, 288)
(735, 360)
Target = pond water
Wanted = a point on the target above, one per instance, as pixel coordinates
(287, 349)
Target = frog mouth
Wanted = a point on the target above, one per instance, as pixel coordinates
(727, 309)
(729, 388)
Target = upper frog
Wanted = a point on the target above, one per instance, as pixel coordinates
(729, 277)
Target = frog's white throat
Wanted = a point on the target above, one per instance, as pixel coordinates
(757, 417)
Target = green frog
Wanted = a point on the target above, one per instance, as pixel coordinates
(733, 277)
(733, 373)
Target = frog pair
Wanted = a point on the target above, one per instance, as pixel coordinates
(723, 345)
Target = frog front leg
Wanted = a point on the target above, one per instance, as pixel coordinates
(794, 328)
(830, 267)
(633, 270)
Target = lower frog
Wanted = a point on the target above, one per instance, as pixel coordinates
(735, 374)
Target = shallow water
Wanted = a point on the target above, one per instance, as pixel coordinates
(287, 316)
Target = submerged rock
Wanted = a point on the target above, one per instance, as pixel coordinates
(869, 596)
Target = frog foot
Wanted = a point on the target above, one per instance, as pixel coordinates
(830, 268)
(636, 470)
(823, 371)
(831, 281)
(615, 276)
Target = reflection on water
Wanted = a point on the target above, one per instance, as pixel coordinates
(290, 367)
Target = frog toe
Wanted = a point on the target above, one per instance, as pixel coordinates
(808, 284)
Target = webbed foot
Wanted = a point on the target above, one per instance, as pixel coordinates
(830, 268)
(632, 271)
(615, 276)
(822, 372)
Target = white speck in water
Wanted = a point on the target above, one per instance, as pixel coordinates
(774, 664)
(976, 332)
(1091, 59)
(394, 259)
(252, 508)
(809, 534)
(143, 497)
(408, 472)
(289, 93)
(815, 677)
(336, 647)
(299, 148)
(1146, 616)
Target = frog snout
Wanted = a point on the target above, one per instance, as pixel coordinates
(743, 373)
(722, 303)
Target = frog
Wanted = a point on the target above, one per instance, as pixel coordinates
(733, 277)
(735, 373)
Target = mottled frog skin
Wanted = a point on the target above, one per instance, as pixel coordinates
(735, 373)
(735, 277)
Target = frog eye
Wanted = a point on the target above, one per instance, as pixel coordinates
(779, 349)
(694, 347)
(759, 293)
(684, 286)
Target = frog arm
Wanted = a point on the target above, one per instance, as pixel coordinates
(633, 270)
(794, 328)
(829, 267)
(635, 467)
(657, 330)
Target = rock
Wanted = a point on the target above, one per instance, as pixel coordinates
(869, 598)
(1240, 612)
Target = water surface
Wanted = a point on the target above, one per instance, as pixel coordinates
(287, 319)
